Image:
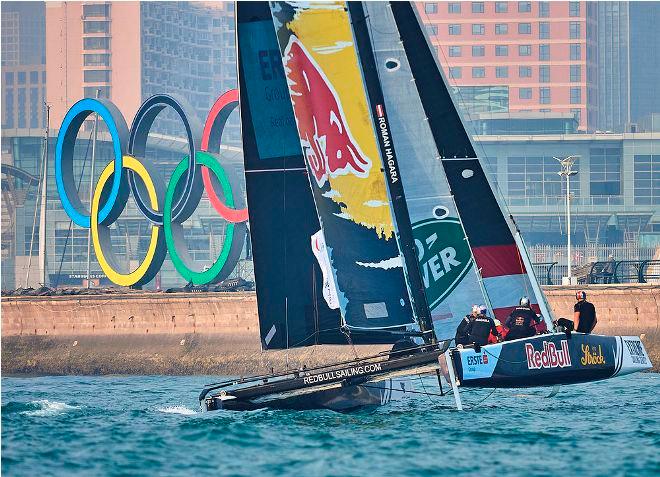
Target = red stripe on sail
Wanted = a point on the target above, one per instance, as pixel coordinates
(503, 313)
(498, 260)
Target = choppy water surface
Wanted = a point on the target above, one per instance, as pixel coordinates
(150, 425)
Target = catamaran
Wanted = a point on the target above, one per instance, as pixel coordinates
(372, 220)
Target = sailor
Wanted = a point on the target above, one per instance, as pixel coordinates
(481, 327)
(463, 330)
(584, 314)
(521, 322)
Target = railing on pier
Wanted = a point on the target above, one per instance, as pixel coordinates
(601, 272)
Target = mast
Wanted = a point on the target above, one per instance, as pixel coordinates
(394, 184)
(44, 206)
(91, 192)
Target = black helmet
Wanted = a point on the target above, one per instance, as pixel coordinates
(524, 301)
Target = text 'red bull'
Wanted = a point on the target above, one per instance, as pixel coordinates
(550, 357)
(327, 142)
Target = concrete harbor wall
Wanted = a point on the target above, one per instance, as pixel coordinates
(217, 333)
(633, 307)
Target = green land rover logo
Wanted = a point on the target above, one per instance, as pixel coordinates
(444, 256)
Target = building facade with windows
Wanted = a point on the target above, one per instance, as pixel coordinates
(516, 56)
(129, 51)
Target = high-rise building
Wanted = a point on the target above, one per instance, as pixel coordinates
(132, 50)
(23, 65)
(515, 57)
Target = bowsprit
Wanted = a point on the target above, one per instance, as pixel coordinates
(166, 207)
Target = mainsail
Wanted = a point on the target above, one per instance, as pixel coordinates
(345, 167)
(290, 295)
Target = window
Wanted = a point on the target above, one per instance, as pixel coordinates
(576, 51)
(576, 73)
(524, 7)
(34, 77)
(544, 9)
(454, 51)
(96, 76)
(525, 93)
(502, 72)
(574, 28)
(501, 28)
(478, 72)
(9, 108)
(524, 50)
(525, 28)
(21, 108)
(96, 59)
(573, 9)
(544, 30)
(525, 71)
(544, 74)
(96, 43)
(478, 29)
(90, 91)
(544, 52)
(96, 27)
(477, 7)
(501, 7)
(544, 95)
(34, 107)
(647, 179)
(22, 77)
(454, 29)
(431, 7)
(454, 7)
(431, 29)
(9, 78)
(478, 51)
(576, 95)
(531, 176)
(96, 10)
(455, 72)
(605, 171)
(501, 50)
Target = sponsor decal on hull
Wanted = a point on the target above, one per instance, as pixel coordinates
(342, 373)
(549, 357)
(636, 350)
(592, 355)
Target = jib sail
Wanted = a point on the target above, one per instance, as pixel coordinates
(441, 250)
(500, 262)
(292, 309)
(346, 171)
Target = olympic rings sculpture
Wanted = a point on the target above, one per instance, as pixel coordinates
(165, 206)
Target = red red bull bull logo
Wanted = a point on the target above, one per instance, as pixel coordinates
(326, 140)
(549, 357)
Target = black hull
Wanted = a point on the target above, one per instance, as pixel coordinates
(373, 381)
(548, 360)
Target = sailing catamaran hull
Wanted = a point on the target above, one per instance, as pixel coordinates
(548, 360)
(338, 398)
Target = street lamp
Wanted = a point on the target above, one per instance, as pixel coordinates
(566, 164)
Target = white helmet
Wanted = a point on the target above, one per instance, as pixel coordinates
(524, 301)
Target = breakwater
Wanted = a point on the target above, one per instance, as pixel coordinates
(217, 333)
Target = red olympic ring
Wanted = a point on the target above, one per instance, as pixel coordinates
(224, 105)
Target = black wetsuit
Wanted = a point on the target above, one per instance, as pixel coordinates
(463, 330)
(521, 323)
(587, 316)
(482, 326)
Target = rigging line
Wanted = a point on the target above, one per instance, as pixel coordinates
(411, 391)
(428, 395)
(68, 233)
(477, 404)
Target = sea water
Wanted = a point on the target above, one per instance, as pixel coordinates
(151, 425)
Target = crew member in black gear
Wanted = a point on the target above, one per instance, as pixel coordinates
(521, 322)
(584, 314)
(482, 326)
(463, 330)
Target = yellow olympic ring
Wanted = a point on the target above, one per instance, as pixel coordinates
(157, 249)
